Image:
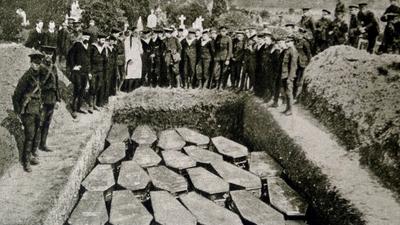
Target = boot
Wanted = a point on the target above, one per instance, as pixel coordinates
(27, 167)
(34, 161)
(43, 139)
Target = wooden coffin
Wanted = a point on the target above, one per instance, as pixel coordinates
(144, 135)
(193, 137)
(178, 161)
(170, 140)
(232, 151)
(91, 209)
(202, 156)
(100, 179)
(132, 177)
(118, 133)
(146, 157)
(167, 180)
(113, 154)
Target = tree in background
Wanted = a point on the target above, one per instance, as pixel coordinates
(106, 14)
(134, 9)
(190, 10)
(234, 20)
(219, 7)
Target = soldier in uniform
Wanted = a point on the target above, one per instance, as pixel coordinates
(289, 69)
(307, 21)
(79, 60)
(222, 57)
(172, 58)
(239, 45)
(50, 93)
(97, 72)
(276, 72)
(369, 26)
(189, 60)
(391, 33)
(27, 105)
(36, 37)
(322, 30)
(354, 32)
(263, 64)
(338, 31)
(205, 52)
(304, 50)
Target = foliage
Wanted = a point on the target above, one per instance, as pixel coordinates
(106, 14)
(190, 10)
(219, 7)
(234, 20)
(134, 9)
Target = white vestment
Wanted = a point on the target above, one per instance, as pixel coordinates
(133, 60)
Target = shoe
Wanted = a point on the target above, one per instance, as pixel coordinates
(274, 105)
(74, 115)
(27, 167)
(96, 108)
(45, 149)
(90, 111)
(288, 113)
(81, 111)
(34, 161)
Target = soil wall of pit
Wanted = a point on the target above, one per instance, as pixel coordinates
(357, 96)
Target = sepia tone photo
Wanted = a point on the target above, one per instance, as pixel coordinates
(199, 112)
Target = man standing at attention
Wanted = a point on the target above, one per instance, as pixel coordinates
(27, 104)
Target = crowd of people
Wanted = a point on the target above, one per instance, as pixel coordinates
(264, 61)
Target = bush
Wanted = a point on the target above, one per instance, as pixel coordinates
(234, 20)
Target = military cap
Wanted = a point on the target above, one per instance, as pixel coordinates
(192, 31)
(290, 25)
(113, 38)
(180, 29)
(168, 30)
(362, 4)
(307, 8)
(206, 31)
(115, 30)
(48, 49)
(326, 11)
(76, 22)
(240, 32)
(223, 27)
(36, 57)
(71, 19)
(253, 36)
(157, 30)
(353, 6)
(146, 31)
(265, 33)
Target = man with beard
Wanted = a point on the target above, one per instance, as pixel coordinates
(97, 73)
(322, 30)
(369, 26)
(354, 24)
(205, 52)
(79, 60)
(36, 37)
(239, 45)
(222, 57)
(189, 59)
(50, 93)
(27, 104)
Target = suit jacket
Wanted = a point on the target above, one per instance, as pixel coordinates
(97, 59)
(79, 56)
(35, 39)
(205, 49)
(189, 52)
(370, 23)
(304, 49)
(27, 95)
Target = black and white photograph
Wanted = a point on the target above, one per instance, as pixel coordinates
(199, 112)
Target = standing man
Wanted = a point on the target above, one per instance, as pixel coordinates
(223, 55)
(172, 58)
(79, 59)
(205, 52)
(289, 69)
(146, 59)
(322, 31)
(156, 46)
(97, 73)
(120, 51)
(27, 105)
(250, 63)
(304, 50)
(276, 58)
(340, 8)
(369, 26)
(354, 32)
(51, 35)
(50, 93)
(93, 30)
(338, 31)
(307, 21)
(189, 59)
(391, 33)
(239, 45)
(36, 37)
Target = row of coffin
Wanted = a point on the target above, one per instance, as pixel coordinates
(191, 187)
